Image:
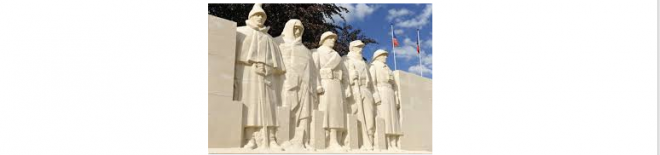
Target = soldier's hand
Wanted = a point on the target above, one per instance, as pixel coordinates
(259, 68)
(319, 90)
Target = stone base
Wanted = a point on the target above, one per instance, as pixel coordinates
(352, 131)
(225, 124)
(283, 120)
(379, 136)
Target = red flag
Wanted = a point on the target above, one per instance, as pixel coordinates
(394, 41)
(417, 41)
(417, 45)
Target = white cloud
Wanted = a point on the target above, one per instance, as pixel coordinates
(394, 13)
(417, 68)
(427, 59)
(398, 31)
(407, 49)
(407, 53)
(356, 12)
(419, 21)
(428, 43)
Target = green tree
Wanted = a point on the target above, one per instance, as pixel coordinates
(317, 18)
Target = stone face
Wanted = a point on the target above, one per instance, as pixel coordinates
(379, 136)
(283, 117)
(318, 133)
(416, 118)
(352, 132)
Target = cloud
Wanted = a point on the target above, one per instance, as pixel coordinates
(394, 13)
(418, 21)
(407, 49)
(407, 53)
(428, 43)
(356, 12)
(398, 31)
(417, 68)
(427, 59)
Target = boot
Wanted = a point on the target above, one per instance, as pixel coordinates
(273, 141)
(249, 137)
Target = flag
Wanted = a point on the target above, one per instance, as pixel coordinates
(394, 41)
(418, 41)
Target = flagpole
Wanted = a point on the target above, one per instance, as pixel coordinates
(421, 71)
(392, 28)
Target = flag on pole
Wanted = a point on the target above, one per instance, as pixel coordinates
(421, 73)
(394, 41)
(417, 41)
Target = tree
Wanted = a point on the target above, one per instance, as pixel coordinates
(313, 16)
(347, 34)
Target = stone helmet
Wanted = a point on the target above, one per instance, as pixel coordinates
(325, 35)
(356, 43)
(256, 9)
(378, 52)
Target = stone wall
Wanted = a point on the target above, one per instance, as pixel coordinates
(224, 114)
(415, 96)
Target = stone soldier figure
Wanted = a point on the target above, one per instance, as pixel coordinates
(331, 102)
(361, 103)
(258, 65)
(300, 82)
(388, 107)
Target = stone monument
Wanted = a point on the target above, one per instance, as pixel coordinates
(274, 95)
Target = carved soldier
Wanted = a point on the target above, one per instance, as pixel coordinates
(258, 64)
(300, 82)
(361, 102)
(388, 107)
(331, 101)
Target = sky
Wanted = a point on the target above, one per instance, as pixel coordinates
(375, 21)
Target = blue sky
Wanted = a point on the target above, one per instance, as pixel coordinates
(375, 20)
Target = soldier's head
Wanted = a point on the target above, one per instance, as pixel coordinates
(328, 39)
(380, 55)
(356, 46)
(293, 29)
(257, 15)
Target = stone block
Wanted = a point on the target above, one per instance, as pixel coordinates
(352, 131)
(225, 123)
(317, 131)
(379, 136)
(221, 56)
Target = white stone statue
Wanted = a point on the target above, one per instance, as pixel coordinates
(361, 102)
(258, 65)
(300, 83)
(331, 101)
(388, 107)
